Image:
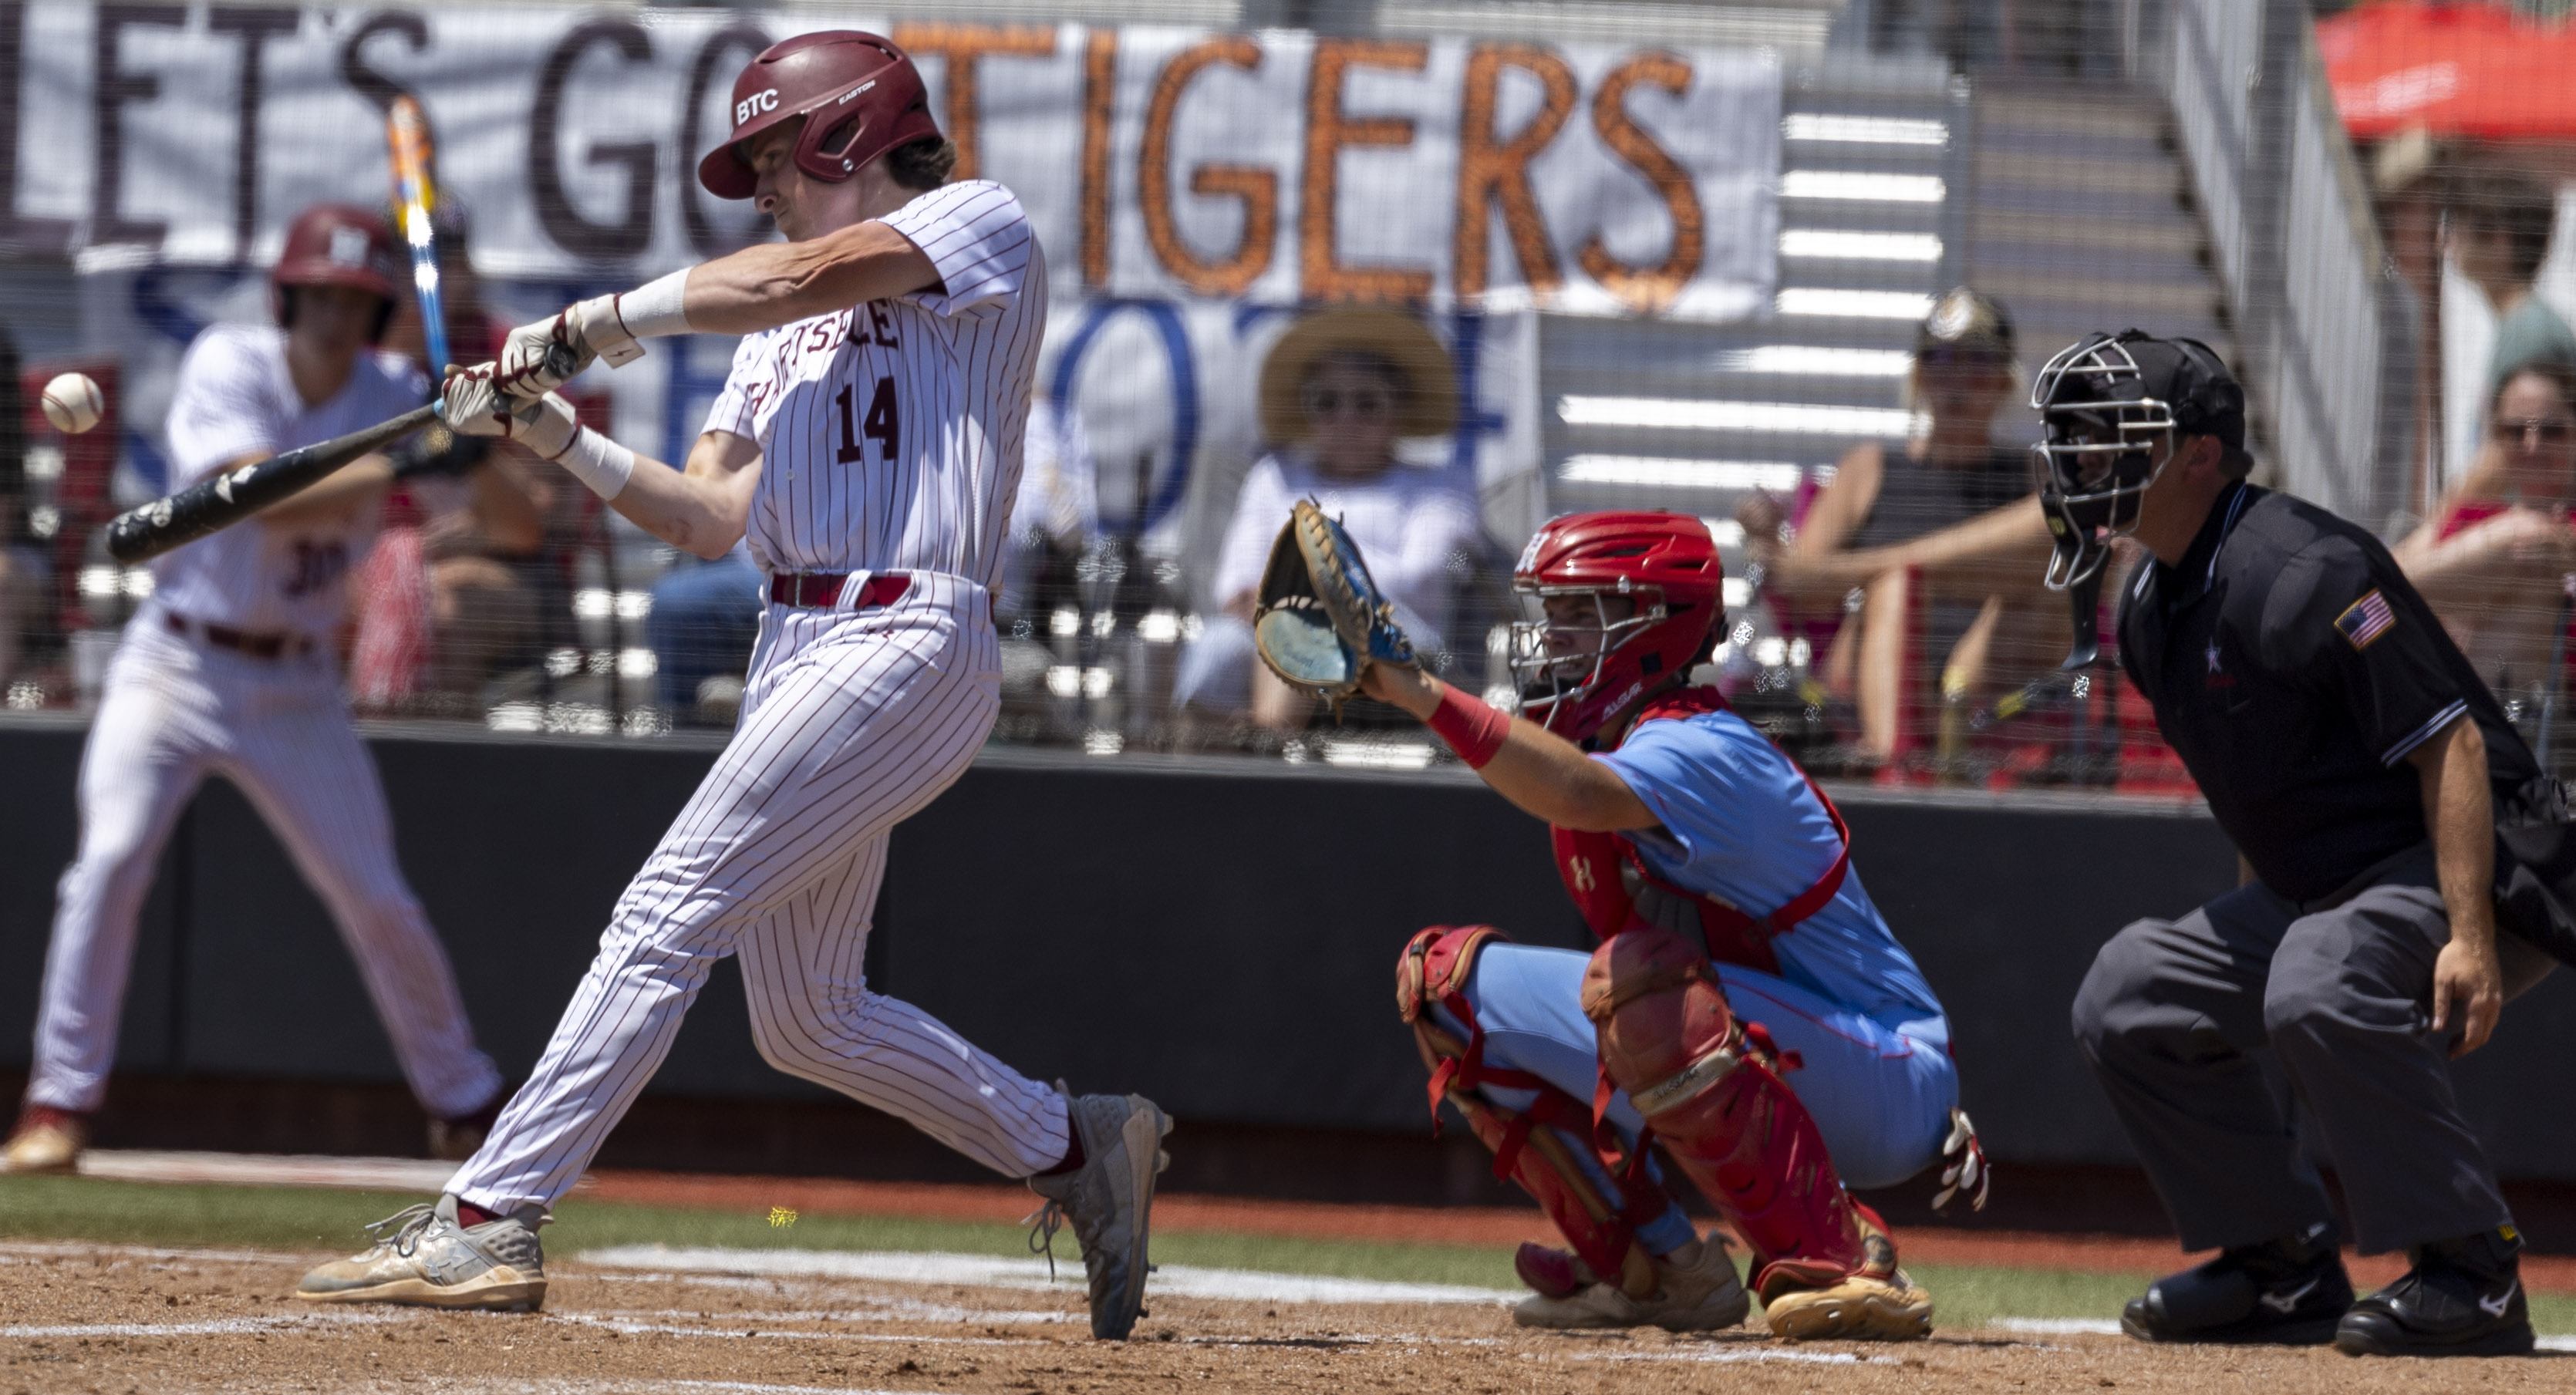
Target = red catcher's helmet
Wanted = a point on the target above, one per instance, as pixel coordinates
(1665, 564)
(859, 93)
(338, 244)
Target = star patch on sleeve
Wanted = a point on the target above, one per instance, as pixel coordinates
(2366, 620)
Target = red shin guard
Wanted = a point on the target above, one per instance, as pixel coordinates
(1710, 1093)
(1528, 1148)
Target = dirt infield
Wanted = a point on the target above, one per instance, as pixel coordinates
(115, 1319)
(1502, 1227)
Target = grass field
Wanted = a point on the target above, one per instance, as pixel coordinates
(67, 1208)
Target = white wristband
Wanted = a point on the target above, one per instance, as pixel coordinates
(598, 462)
(653, 309)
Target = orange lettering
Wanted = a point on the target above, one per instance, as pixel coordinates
(1328, 133)
(1099, 96)
(1257, 188)
(1492, 171)
(1647, 290)
(965, 45)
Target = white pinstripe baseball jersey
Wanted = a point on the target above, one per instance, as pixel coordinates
(891, 433)
(234, 399)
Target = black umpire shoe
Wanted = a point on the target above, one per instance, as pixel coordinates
(2461, 1298)
(2289, 1292)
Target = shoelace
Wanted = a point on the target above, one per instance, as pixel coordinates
(1044, 1222)
(406, 1227)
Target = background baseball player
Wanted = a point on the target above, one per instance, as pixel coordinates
(870, 440)
(1747, 998)
(229, 669)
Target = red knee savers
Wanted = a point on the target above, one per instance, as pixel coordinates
(1529, 1149)
(1718, 1105)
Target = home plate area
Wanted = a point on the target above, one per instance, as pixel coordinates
(647, 1319)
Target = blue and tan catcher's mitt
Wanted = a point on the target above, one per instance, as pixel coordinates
(1321, 622)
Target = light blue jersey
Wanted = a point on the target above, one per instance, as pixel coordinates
(1740, 822)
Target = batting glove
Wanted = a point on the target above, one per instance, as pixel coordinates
(538, 358)
(472, 403)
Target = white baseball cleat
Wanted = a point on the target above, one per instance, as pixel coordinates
(47, 1140)
(1705, 1296)
(424, 1256)
(1109, 1201)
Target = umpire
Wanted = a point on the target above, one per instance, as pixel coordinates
(2355, 759)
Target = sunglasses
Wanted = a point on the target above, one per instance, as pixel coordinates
(1363, 402)
(1946, 356)
(2536, 431)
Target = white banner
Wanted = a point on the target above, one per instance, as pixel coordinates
(1277, 167)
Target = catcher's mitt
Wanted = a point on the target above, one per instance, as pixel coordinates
(1321, 622)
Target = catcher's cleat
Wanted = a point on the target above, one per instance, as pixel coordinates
(1805, 1301)
(1704, 1296)
(47, 1140)
(425, 1257)
(1108, 1200)
(2461, 1298)
(2286, 1292)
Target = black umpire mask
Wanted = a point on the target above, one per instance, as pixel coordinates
(2112, 407)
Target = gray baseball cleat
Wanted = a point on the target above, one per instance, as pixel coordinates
(1109, 1201)
(424, 1256)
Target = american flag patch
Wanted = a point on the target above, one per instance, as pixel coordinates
(2366, 620)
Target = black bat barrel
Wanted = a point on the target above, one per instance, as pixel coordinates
(145, 532)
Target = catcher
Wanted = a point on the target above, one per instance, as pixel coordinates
(1747, 1009)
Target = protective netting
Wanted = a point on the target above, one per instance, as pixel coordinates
(1453, 268)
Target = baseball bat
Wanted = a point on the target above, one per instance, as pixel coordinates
(145, 532)
(407, 137)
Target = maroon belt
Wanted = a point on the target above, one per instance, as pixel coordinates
(822, 590)
(257, 646)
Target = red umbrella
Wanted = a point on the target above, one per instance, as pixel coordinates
(2474, 70)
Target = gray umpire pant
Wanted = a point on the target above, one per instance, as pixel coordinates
(2341, 989)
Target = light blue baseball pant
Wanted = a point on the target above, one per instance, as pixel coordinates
(1881, 1099)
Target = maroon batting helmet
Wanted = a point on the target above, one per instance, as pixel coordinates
(859, 93)
(1664, 563)
(337, 244)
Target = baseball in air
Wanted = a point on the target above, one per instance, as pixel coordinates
(73, 404)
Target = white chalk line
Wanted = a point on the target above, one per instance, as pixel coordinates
(932, 1267)
(212, 1327)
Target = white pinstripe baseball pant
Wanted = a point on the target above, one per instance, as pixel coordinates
(172, 711)
(852, 722)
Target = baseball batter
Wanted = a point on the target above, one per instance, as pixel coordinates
(229, 669)
(869, 441)
(1748, 1007)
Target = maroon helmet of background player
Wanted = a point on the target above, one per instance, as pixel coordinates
(337, 244)
(1665, 565)
(859, 92)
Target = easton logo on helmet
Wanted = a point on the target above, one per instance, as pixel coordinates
(754, 105)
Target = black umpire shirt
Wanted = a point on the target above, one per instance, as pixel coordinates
(2294, 668)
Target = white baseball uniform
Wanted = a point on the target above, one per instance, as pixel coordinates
(891, 438)
(179, 703)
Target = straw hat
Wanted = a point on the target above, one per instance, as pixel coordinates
(1429, 405)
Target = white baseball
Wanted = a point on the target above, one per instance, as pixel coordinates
(73, 404)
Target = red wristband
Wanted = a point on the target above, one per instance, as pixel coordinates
(1472, 729)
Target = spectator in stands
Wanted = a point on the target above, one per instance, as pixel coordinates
(446, 597)
(2494, 559)
(2500, 225)
(24, 570)
(1337, 392)
(704, 618)
(1936, 542)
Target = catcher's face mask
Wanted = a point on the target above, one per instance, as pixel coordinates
(2104, 441)
(1563, 643)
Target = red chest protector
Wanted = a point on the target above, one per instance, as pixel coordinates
(1615, 890)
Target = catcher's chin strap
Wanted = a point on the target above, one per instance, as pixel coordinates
(1528, 1149)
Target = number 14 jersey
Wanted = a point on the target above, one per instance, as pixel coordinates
(891, 433)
